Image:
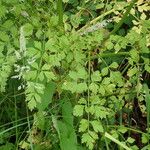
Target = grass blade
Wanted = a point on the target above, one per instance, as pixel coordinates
(116, 141)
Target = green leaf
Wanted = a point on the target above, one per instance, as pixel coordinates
(114, 65)
(83, 125)
(100, 6)
(46, 67)
(82, 101)
(96, 76)
(147, 147)
(82, 74)
(145, 138)
(94, 87)
(132, 72)
(101, 112)
(28, 29)
(104, 71)
(37, 45)
(3, 10)
(39, 119)
(35, 65)
(41, 76)
(102, 90)
(37, 97)
(67, 136)
(64, 41)
(97, 126)
(65, 128)
(135, 147)
(49, 75)
(78, 56)
(39, 33)
(8, 24)
(109, 45)
(117, 47)
(116, 77)
(93, 135)
(130, 140)
(147, 68)
(73, 75)
(81, 87)
(106, 81)
(86, 138)
(122, 129)
(114, 134)
(4, 36)
(75, 20)
(78, 110)
(134, 55)
(32, 103)
(71, 86)
(30, 75)
(67, 111)
(89, 138)
(117, 141)
(90, 109)
(110, 88)
(46, 97)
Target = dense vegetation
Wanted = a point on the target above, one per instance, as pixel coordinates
(74, 74)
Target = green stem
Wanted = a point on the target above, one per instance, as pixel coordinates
(125, 69)
(89, 78)
(128, 128)
(123, 18)
(147, 99)
(112, 54)
(95, 20)
(14, 127)
(60, 12)
(103, 55)
(41, 58)
(107, 135)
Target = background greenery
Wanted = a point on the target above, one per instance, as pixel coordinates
(74, 74)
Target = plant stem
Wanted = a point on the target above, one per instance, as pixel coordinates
(124, 17)
(110, 55)
(60, 12)
(41, 58)
(96, 19)
(116, 141)
(89, 78)
(147, 99)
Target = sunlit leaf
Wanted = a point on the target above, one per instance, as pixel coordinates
(97, 126)
(83, 125)
(78, 110)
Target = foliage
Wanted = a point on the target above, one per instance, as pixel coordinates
(83, 78)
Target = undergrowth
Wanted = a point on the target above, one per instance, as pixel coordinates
(74, 75)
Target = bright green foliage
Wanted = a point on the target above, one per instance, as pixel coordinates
(65, 128)
(78, 110)
(83, 125)
(79, 72)
(5, 69)
(130, 140)
(89, 138)
(97, 126)
(122, 129)
(46, 97)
